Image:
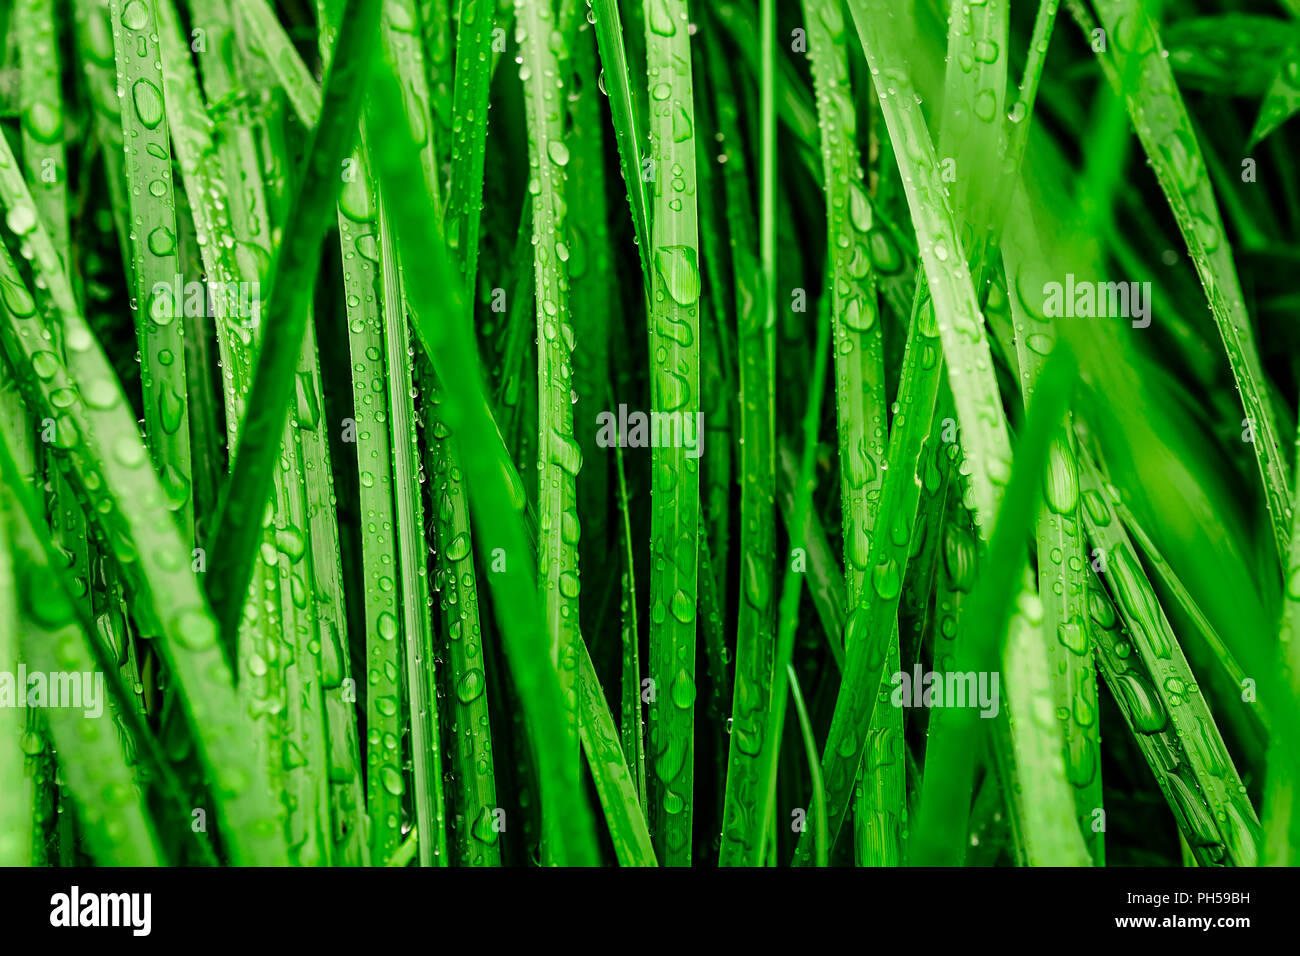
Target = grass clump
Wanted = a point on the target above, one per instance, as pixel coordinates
(676, 449)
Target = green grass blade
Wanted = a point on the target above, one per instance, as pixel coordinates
(614, 781)
(871, 628)
(153, 243)
(756, 473)
(91, 757)
(1062, 576)
(559, 456)
(820, 842)
(1042, 791)
(421, 673)
(294, 76)
(472, 751)
(675, 388)
(17, 797)
(1282, 99)
(1281, 828)
(35, 26)
(791, 591)
(631, 721)
(1166, 696)
(475, 24)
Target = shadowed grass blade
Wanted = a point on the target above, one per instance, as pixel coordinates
(626, 113)
(756, 473)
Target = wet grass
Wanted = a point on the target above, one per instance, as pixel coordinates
(350, 366)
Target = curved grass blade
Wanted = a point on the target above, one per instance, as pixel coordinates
(118, 832)
(137, 740)
(1281, 101)
(1138, 69)
(870, 629)
(96, 431)
(1169, 700)
(1166, 753)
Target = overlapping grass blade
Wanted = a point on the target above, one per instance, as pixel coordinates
(609, 770)
(946, 790)
(287, 298)
(957, 307)
(859, 382)
(433, 290)
(96, 432)
(1166, 698)
(871, 628)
